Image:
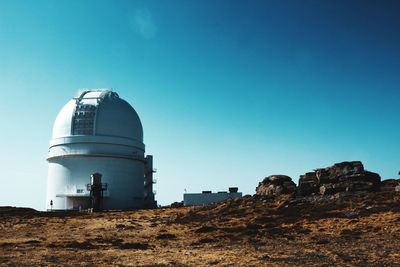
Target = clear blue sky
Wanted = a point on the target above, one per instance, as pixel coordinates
(228, 91)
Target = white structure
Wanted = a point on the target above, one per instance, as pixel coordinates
(207, 197)
(99, 132)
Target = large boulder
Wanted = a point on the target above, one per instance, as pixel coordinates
(341, 177)
(275, 185)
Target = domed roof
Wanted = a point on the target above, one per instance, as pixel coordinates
(98, 112)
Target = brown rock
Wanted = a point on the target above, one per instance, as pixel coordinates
(308, 184)
(276, 185)
(389, 184)
(341, 177)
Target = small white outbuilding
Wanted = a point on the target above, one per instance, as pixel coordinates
(208, 197)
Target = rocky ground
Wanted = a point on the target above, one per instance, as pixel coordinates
(355, 230)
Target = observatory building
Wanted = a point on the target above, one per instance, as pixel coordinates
(97, 132)
(208, 197)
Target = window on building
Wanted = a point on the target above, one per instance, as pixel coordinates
(83, 121)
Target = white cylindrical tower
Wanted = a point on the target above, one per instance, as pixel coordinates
(98, 132)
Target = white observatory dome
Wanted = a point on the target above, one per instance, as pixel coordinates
(114, 116)
(98, 132)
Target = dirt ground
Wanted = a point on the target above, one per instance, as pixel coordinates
(359, 230)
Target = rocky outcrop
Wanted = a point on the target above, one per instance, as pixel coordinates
(308, 184)
(390, 185)
(341, 177)
(276, 185)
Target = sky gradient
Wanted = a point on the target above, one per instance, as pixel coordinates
(228, 91)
